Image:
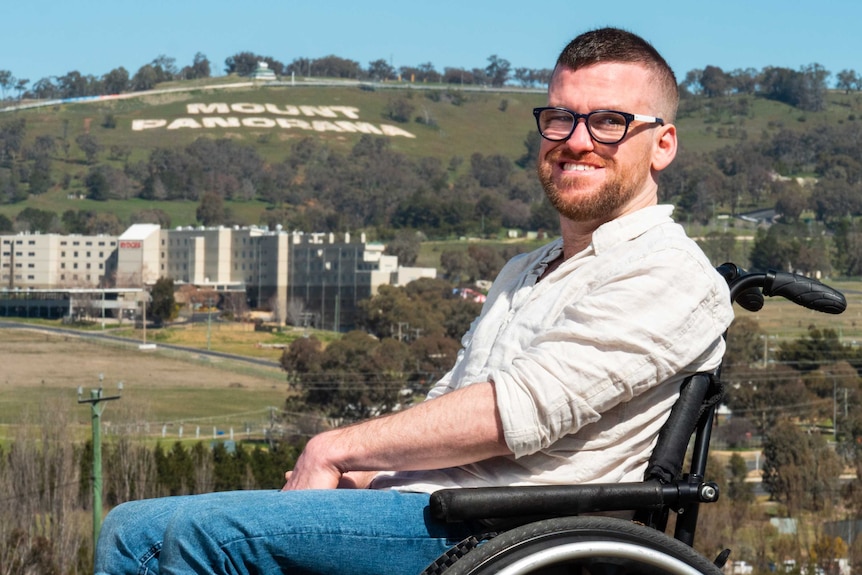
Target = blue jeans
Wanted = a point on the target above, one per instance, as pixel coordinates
(342, 532)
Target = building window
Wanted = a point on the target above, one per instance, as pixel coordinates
(62, 265)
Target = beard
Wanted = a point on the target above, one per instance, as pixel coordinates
(601, 204)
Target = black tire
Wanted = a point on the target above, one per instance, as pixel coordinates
(583, 545)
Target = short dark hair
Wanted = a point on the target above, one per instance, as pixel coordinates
(606, 45)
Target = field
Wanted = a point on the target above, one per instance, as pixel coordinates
(455, 123)
(165, 390)
(161, 389)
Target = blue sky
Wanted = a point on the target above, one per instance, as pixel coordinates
(42, 38)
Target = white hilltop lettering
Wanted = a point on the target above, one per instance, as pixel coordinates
(281, 110)
(220, 122)
(216, 115)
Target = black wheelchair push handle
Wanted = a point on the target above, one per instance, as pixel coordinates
(805, 292)
(748, 289)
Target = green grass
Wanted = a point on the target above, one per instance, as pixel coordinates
(487, 122)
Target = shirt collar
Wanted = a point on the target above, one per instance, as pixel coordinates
(629, 226)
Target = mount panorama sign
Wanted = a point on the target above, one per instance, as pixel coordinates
(200, 116)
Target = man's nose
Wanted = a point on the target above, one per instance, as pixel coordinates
(580, 138)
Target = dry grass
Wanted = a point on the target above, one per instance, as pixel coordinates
(159, 387)
(171, 387)
(785, 320)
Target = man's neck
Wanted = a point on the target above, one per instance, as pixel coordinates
(576, 236)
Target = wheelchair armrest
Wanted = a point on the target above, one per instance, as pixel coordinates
(562, 500)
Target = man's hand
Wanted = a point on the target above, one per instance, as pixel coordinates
(350, 480)
(453, 429)
(312, 470)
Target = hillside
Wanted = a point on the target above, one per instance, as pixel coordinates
(435, 121)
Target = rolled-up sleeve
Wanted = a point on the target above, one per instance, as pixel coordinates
(643, 318)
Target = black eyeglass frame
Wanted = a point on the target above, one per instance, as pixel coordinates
(629, 118)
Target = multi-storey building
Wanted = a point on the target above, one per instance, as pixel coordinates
(56, 261)
(307, 279)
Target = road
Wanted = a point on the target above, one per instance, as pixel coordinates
(105, 336)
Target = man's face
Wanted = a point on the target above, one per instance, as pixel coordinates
(591, 182)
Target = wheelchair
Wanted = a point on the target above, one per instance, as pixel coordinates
(540, 530)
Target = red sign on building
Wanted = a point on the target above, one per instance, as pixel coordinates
(132, 245)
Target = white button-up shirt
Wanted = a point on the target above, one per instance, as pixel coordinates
(587, 362)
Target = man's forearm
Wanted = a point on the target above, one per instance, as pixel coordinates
(455, 429)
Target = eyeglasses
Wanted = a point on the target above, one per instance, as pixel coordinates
(604, 126)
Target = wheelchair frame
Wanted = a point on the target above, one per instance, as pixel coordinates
(540, 528)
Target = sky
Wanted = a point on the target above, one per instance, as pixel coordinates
(44, 38)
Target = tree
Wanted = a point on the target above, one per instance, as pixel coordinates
(89, 145)
(165, 68)
(211, 210)
(7, 80)
(200, 68)
(21, 86)
(405, 246)
(715, 82)
(97, 185)
(791, 200)
(847, 80)
(800, 469)
(145, 78)
(37, 220)
(355, 377)
(116, 81)
(164, 306)
(399, 109)
(380, 70)
(498, 70)
(775, 248)
(811, 352)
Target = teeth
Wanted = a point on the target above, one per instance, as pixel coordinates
(577, 168)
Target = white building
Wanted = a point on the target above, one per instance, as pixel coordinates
(56, 261)
(311, 279)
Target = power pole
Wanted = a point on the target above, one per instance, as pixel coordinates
(96, 409)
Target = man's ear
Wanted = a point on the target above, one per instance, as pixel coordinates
(664, 150)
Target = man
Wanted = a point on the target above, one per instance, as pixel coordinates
(565, 377)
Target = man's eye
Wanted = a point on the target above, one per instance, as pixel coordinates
(608, 120)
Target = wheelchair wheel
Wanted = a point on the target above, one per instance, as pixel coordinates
(583, 546)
